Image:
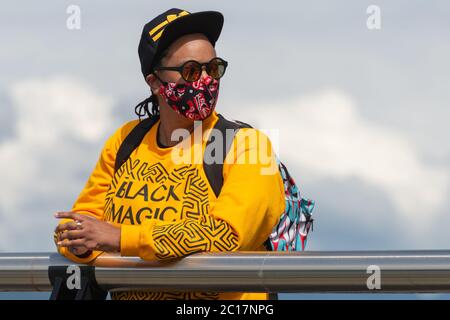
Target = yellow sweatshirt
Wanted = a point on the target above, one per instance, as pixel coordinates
(167, 209)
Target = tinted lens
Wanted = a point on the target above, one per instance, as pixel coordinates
(191, 71)
(216, 68)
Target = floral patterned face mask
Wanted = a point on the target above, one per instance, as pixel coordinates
(193, 100)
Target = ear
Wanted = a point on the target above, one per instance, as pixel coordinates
(153, 83)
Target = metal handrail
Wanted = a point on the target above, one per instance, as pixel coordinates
(310, 271)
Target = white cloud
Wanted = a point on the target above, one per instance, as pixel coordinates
(61, 123)
(324, 134)
(50, 108)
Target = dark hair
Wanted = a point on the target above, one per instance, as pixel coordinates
(141, 109)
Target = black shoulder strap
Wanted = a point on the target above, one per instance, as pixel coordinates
(214, 170)
(133, 140)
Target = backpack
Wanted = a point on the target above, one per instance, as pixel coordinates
(290, 234)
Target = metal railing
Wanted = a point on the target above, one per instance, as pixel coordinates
(311, 271)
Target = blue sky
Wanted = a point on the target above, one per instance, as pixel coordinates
(362, 114)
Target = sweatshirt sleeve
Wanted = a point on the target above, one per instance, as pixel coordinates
(248, 207)
(91, 200)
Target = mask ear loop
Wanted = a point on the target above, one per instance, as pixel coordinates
(165, 83)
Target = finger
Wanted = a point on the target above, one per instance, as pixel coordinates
(71, 235)
(67, 226)
(72, 243)
(69, 215)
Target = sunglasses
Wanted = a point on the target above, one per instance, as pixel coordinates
(192, 70)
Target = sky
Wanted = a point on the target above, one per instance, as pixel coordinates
(361, 114)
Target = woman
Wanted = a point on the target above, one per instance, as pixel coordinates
(156, 207)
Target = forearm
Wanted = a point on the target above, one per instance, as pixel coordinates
(177, 239)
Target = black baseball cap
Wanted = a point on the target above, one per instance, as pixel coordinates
(163, 30)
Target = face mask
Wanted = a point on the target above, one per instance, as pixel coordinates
(193, 100)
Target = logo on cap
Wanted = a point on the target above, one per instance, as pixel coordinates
(157, 31)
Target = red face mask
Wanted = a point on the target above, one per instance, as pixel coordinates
(193, 100)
